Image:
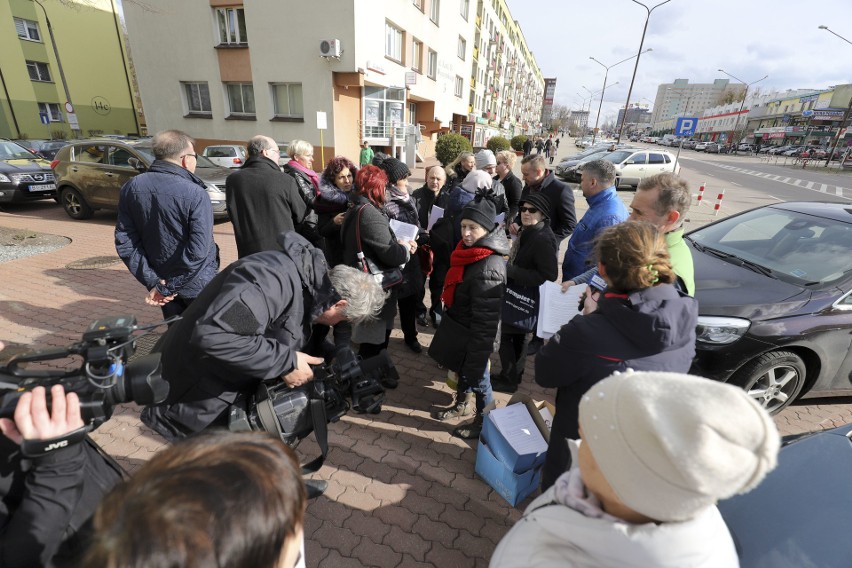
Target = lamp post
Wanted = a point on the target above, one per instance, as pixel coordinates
(592, 95)
(845, 115)
(636, 67)
(603, 91)
(745, 94)
(58, 61)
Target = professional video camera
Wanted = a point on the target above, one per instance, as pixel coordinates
(103, 379)
(293, 413)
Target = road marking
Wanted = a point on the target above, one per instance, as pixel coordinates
(839, 191)
(773, 197)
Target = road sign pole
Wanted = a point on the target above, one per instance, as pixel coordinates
(677, 157)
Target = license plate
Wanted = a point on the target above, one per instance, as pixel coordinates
(44, 187)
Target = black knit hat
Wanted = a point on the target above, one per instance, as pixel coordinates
(480, 210)
(539, 201)
(395, 169)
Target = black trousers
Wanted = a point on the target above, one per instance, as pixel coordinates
(408, 316)
(513, 354)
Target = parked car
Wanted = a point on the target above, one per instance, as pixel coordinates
(283, 156)
(701, 146)
(226, 156)
(632, 165)
(744, 147)
(778, 149)
(774, 289)
(799, 513)
(689, 144)
(24, 176)
(712, 148)
(792, 151)
(90, 173)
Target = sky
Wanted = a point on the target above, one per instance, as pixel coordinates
(690, 39)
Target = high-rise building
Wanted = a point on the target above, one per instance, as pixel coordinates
(684, 99)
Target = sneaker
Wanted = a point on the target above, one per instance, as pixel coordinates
(422, 321)
(501, 384)
(463, 407)
(414, 346)
(471, 430)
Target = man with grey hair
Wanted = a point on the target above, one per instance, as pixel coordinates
(164, 232)
(597, 182)
(263, 202)
(434, 193)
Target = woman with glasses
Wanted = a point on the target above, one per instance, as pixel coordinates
(336, 183)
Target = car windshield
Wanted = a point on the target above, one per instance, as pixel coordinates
(795, 247)
(618, 156)
(148, 153)
(12, 151)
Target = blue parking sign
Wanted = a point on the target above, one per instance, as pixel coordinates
(686, 126)
(45, 118)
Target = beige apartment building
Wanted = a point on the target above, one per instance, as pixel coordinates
(396, 73)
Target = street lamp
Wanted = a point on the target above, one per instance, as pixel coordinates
(603, 91)
(636, 67)
(745, 94)
(845, 115)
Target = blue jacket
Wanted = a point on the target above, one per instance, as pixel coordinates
(165, 230)
(605, 210)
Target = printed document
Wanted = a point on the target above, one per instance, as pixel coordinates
(516, 425)
(404, 231)
(435, 214)
(555, 309)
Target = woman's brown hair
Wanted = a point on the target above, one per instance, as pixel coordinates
(635, 256)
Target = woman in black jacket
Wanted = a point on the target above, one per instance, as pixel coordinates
(532, 262)
(367, 219)
(512, 186)
(642, 323)
(473, 295)
(300, 168)
(336, 184)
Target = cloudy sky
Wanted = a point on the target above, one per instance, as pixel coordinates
(690, 39)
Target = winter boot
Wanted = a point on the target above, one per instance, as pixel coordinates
(463, 406)
(469, 430)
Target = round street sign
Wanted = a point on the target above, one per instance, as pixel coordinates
(807, 113)
(69, 107)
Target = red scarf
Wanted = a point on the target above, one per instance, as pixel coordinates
(460, 258)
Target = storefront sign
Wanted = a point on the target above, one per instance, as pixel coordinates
(375, 66)
(828, 114)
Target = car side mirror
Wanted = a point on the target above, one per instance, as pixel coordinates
(136, 164)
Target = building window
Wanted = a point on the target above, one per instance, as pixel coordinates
(434, 10)
(241, 99)
(38, 71)
(197, 97)
(232, 26)
(462, 47)
(432, 64)
(287, 100)
(459, 86)
(464, 8)
(27, 29)
(418, 4)
(417, 55)
(393, 42)
(51, 110)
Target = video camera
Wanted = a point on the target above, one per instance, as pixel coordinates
(293, 413)
(103, 379)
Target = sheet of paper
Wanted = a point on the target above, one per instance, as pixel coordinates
(555, 309)
(516, 425)
(404, 231)
(499, 218)
(435, 214)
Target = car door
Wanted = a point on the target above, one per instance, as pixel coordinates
(634, 167)
(656, 164)
(117, 171)
(88, 171)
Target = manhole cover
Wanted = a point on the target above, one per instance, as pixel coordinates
(92, 263)
(145, 343)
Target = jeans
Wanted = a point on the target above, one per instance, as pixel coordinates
(481, 388)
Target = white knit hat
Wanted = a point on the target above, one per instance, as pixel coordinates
(485, 157)
(671, 444)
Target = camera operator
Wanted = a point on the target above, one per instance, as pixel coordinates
(47, 499)
(253, 322)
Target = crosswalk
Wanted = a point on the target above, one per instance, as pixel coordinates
(828, 189)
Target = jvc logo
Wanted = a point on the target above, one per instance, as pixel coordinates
(56, 445)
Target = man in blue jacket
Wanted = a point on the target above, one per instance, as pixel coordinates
(164, 232)
(605, 209)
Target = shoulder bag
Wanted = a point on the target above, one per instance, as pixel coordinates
(387, 278)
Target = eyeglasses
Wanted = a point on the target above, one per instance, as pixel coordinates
(276, 150)
(190, 155)
(528, 210)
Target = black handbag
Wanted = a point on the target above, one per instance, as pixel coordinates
(520, 307)
(449, 344)
(387, 278)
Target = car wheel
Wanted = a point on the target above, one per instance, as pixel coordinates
(773, 380)
(75, 205)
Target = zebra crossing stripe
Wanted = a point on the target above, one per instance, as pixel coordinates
(823, 188)
(809, 185)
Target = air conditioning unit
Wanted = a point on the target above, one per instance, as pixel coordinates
(330, 48)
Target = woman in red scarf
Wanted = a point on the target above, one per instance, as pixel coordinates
(473, 295)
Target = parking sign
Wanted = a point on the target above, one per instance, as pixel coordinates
(686, 126)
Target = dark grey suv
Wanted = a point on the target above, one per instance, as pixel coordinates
(23, 175)
(90, 174)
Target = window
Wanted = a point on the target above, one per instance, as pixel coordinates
(656, 159)
(241, 98)
(119, 157)
(197, 97)
(232, 26)
(432, 64)
(287, 100)
(459, 86)
(434, 10)
(27, 29)
(418, 4)
(38, 71)
(464, 8)
(462, 48)
(393, 42)
(52, 110)
(417, 55)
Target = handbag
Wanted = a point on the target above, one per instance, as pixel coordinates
(386, 278)
(449, 344)
(520, 307)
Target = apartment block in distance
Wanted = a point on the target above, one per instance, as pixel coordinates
(93, 77)
(225, 70)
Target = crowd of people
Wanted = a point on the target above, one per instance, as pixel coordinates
(322, 269)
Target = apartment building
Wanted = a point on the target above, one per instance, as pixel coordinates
(63, 71)
(681, 98)
(332, 72)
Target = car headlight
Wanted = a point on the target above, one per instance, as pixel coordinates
(5, 179)
(720, 330)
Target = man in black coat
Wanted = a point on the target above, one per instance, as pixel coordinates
(433, 193)
(262, 201)
(538, 178)
(527, 147)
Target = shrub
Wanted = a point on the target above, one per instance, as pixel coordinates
(518, 142)
(498, 144)
(449, 146)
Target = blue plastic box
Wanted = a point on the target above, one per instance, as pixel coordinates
(513, 487)
(502, 449)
